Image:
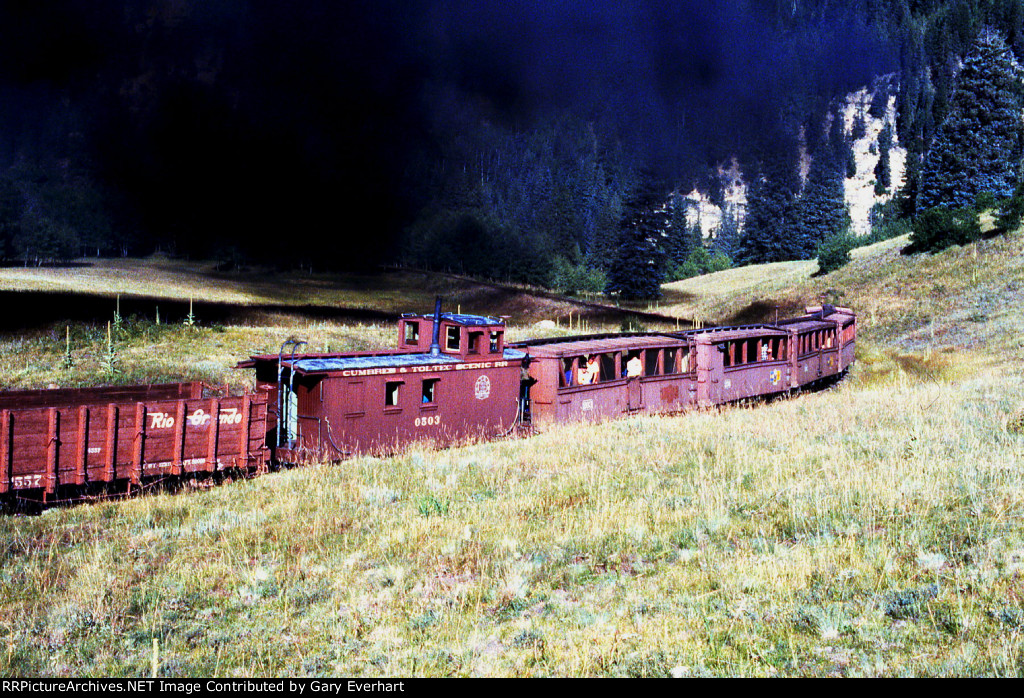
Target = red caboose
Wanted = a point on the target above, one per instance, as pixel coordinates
(452, 378)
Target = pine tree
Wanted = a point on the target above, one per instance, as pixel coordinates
(637, 268)
(978, 146)
(726, 239)
(768, 224)
(883, 170)
(681, 237)
(821, 211)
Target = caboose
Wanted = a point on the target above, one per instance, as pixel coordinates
(451, 379)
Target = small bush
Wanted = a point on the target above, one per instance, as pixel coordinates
(834, 252)
(939, 228)
(701, 261)
(571, 279)
(1010, 212)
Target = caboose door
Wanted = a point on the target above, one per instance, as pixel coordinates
(634, 394)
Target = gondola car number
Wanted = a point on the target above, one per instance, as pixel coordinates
(433, 420)
(22, 481)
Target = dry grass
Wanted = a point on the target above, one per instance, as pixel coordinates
(852, 532)
(874, 529)
(391, 292)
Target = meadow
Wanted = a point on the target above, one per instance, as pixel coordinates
(872, 529)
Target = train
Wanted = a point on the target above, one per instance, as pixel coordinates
(453, 378)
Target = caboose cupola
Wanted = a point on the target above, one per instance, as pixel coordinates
(468, 337)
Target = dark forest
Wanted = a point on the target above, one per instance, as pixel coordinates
(518, 139)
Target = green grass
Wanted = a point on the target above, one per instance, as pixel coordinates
(854, 540)
(873, 529)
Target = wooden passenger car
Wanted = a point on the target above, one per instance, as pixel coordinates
(563, 392)
(824, 342)
(675, 371)
(336, 405)
(52, 440)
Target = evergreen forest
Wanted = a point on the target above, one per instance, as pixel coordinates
(553, 144)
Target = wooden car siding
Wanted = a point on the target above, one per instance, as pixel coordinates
(49, 447)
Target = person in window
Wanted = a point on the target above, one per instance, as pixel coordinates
(634, 367)
(588, 370)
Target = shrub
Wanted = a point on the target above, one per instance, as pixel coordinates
(939, 228)
(834, 252)
(571, 279)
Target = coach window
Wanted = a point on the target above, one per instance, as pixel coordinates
(609, 366)
(412, 332)
(430, 391)
(565, 375)
(651, 362)
(392, 389)
(452, 339)
(684, 360)
(671, 361)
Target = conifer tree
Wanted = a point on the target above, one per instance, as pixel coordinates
(821, 211)
(767, 227)
(978, 146)
(727, 236)
(681, 237)
(637, 268)
(883, 170)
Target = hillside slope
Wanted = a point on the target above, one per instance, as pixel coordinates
(964, 298)
(874, 529)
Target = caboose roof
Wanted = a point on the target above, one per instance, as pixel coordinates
(331, 364)
(459, 319)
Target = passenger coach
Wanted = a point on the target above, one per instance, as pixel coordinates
(605, 376)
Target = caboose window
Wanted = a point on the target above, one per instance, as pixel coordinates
(475, 340)
(391, 391)
(495, 342)
(430, 390)
(412, 333)
(452, 337)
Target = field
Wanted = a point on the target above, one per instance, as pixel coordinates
(874, 529)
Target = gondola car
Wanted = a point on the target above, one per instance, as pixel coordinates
(68, 441)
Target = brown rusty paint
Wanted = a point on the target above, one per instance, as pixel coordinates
(670, 393)
(82, 446)
(138, 444)
(46, 449)
(5, 450)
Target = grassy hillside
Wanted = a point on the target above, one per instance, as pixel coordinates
(876, 528)
(149, 350)
(389, 293)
